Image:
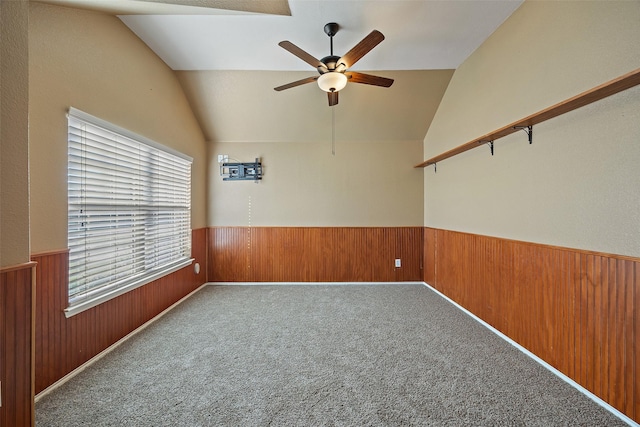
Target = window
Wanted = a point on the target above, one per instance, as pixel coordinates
(129, 204)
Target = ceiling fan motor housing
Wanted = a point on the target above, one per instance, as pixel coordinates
(331, 62)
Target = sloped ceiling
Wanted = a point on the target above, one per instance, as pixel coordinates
(241, 106)
(226, 55)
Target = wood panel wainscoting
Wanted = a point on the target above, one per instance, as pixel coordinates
(64, 344)
(577, 310)
(17, 287)
(315, 254)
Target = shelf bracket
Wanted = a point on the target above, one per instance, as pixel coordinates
(528, 130)
(489, 143)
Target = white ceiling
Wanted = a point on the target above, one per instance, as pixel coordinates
(177, 7)
(420, 35)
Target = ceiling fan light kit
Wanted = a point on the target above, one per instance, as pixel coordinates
(333, 69)
(332, 81)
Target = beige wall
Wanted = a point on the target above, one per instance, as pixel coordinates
(369, 182)
(14, 138)
(578, 184)
(365, 184)
(93, 62)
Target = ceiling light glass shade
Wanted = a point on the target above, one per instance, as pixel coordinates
(332, 81)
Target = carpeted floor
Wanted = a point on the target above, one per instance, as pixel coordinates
(384, 355)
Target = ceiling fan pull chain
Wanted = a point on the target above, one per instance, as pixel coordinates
(333, 131)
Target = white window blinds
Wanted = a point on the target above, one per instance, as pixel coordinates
(129, 210)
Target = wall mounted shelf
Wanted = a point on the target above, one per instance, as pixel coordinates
(597, 93)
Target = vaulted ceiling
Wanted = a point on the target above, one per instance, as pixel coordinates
(226, 56)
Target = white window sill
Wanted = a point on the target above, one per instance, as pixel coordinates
(90, 303)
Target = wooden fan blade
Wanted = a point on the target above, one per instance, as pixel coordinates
(362, 48)
(333, 98)
(296, 83)
(306, 57)
(368, 79)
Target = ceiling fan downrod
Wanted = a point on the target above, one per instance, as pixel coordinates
(331, 61)
(331, 29)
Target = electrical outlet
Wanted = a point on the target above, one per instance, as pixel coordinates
(398, 263)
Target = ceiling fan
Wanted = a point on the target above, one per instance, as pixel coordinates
(333, 69)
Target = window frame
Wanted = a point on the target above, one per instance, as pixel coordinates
(146, 218)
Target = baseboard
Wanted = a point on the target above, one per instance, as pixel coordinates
(309, 283)
(109, 349)
(544, 364)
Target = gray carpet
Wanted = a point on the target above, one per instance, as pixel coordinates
(385, 355)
